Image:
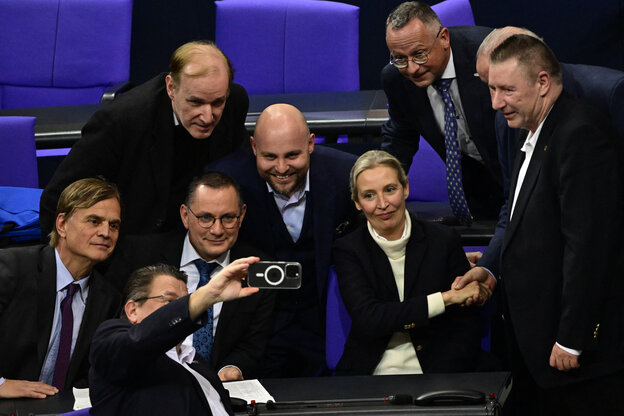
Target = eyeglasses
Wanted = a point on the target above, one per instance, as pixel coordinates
(420, 58)
(163, 299)
(207, 221)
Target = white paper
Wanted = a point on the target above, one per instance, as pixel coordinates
(248, 390)
(81, 397)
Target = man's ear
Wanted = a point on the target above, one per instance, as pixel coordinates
(544, 81)
(61, 222)
(253, 145)
(184, 215)
(170, 84)
(130, 308)
(242, 214)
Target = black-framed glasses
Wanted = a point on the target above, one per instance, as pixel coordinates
(163, 298)
(420, 58)
(207, 221)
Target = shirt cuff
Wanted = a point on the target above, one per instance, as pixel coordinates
(488, 270)
(229, 366)
(569, 350)
(435, 304)
(2, 380)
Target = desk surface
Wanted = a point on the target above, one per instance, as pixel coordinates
(333, 388)
(350, 112)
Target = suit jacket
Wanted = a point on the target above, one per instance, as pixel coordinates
(27, 298)
(244, 324)
(131, 375)
(410, 110)
(449, 342)
(130, 142)
(560, 278)
(331, 204)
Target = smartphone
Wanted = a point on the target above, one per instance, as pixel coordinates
(275, 275)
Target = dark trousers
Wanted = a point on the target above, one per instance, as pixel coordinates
(297, 346)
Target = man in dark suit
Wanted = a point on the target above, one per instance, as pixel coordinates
(424, 56)
(45, 322)
(297, 197)
(152, 140)
(140, 364)
(212, 213)
(559, 260)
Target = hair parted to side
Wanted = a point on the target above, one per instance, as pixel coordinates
(84, 193)
(140, 281)
(371, 160)
(531, 53)
(214, 180)
(405, 12)
(183, 55)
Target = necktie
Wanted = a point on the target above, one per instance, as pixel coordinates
(67, 329)
(454, 186)
(202, 338)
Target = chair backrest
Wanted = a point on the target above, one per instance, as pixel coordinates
(602, 87)
(427, 175)
(454, 13)
(62, 52)
(290, 46)
(18, 155)
(337, 323)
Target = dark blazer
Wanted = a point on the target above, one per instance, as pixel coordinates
(244, 324)
(331, 203)
(558, 263)
(410, 110)
(131, 375)
(449, 342)
(130, 142)
(27, 298)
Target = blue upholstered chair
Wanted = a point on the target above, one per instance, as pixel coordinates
(290, 46)
(18, 157)
(62, 52)
(338, 322)
(454, 13)
(81, 412)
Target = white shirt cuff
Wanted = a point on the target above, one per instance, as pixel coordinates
(569, 350)
(2, 380)
(435, 304)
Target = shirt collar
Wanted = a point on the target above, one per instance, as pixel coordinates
(531, 139)
(298, 195)
(449, 71)
(189, 254)
(406, 225)
(176, 122)
(64, 277)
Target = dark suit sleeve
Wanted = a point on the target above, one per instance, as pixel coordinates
(400, 133)
(120, 351)
(589, 177)
(247, 353)
(373, 312)
(96, 153)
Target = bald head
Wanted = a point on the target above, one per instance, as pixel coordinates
(199, 58)
(282, 144)
(491, 41)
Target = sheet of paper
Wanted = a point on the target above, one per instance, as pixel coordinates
(81, 397)
(248, 390)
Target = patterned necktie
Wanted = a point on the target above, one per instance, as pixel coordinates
(202, 338)
(454, 186)
(67, 328)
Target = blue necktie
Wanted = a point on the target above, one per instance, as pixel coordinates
(454, 186)
(63, 356)
(202, 338)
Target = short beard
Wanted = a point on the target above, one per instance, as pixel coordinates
(298, 185)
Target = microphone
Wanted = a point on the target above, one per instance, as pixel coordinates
(395, 399)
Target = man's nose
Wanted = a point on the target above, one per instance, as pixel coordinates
(206, 114)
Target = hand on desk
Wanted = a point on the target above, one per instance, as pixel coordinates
(13, 389)
(230, 373)
(563, 360)
(476, 274)
(473, 257)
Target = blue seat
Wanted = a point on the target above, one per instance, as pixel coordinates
(338, 322)
(290, 46)
(18, 157)
(454, 13)
(62, 52)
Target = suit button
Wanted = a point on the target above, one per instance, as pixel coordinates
(406, 327)
(419, 348)
(503, 317)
